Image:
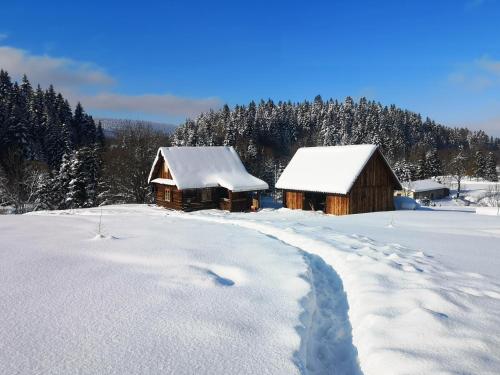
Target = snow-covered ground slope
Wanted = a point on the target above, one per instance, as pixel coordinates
(163, 295)
(412, 310)
(277, 291)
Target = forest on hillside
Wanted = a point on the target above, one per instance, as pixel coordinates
(54, 157)
(266, 135)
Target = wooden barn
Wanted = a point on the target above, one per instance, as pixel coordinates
(339, 180)
(196, 178)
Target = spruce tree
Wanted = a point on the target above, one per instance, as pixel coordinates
(433, 164)
(491, 167)
(5, 111)
(61, 183)
(100, 135)
(421, 172)
(37, 122)
(479, 165)
(18, 122)
(77, 195)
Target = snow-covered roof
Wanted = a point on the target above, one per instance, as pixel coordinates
(332, 169)
(163, 181)
(422, 185)
(202, 167)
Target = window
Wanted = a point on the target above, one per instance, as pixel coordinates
(206, 195)
(168, 195)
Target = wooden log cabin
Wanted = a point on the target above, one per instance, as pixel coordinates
(339, 180)
(196, 178)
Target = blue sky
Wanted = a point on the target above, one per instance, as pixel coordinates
(168, 60)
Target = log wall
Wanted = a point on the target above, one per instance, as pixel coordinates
(294, 200)
(176, 197)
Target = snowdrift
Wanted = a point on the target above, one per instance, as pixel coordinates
(405, 203)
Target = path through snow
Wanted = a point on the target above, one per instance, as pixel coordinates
(409, 313)
(326, 336)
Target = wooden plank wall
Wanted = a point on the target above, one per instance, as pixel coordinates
(164, 171)
(374, 188)
(337, 204)
(294, 200)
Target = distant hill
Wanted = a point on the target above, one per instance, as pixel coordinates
(111, 124)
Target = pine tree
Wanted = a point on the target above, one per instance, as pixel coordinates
(100, 135)
(479, 165)
(57, 195)
(491, 167)
(77, 195)
(5, 111)
(37, 121)
(433, 164)
(346, 117)
(404, 171)
(18, 121)
(26, 98)
(421, 172)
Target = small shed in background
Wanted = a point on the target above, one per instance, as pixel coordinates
(339, 180)
(425, 189)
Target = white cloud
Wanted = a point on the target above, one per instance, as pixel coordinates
(90, 84)
(488, 65)
(164, 104)
(62, 72)
(479, 75)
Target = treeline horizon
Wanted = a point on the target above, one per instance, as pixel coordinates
(54, 157)
(267, 134)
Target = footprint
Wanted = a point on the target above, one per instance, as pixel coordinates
(437, 314)
(216, 278)
(219, 279)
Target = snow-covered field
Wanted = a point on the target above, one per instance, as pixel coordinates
(276, 292)
(474, 192)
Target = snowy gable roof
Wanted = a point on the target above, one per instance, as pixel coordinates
(202, 167)
(332, 169)
(419, 186)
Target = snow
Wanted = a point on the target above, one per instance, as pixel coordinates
(405, 203)
(409, 311)
(422, 185)
(493, 211)
(154, 294)
(277, 291)
(203, 167)
(163, 181)
(332, 169)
